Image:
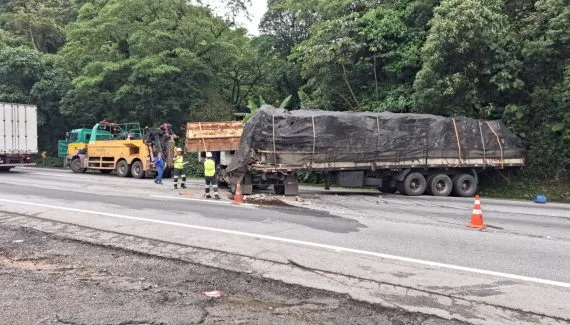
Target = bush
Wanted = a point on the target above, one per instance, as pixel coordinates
(50, 162)
(194, 168)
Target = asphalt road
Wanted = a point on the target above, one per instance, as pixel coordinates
(520, 263)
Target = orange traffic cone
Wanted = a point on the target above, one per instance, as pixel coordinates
(238, 198)
(477, 216)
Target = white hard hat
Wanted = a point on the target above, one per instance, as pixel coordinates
(208, 154)
(178, 149)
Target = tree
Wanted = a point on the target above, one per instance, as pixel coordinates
(469, 60)
(151, 62)
(37, 23)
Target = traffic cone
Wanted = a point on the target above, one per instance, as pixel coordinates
(238, 198)
(477, 216)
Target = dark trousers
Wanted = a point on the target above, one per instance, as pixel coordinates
(176, 174)
(211, 182)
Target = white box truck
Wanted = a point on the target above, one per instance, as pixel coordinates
(18, 135)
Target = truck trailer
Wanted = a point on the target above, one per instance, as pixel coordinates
(413, 154)
(19, 135)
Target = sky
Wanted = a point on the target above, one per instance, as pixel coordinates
(256, 10)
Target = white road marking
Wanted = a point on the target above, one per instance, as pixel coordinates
(204, 200)
(307, 243)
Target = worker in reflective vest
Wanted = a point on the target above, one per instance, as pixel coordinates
(210, 173)
(178, 171)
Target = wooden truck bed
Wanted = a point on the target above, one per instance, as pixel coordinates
(213, 136)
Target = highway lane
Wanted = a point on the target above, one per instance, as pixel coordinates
(524, 240)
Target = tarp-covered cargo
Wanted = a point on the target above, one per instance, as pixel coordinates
(277, 140)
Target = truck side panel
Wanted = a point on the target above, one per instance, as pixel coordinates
(18, 134)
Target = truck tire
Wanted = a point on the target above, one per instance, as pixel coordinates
(413, 185)
(464, 185)
(76, 165)
(439, 185)
(279, 189)
(387, 189)
(137, 169)
(123, 168)
(167, 173)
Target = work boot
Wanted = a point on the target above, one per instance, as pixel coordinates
(217, 197)
(208, 196)
(182, 185)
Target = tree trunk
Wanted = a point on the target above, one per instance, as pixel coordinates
(344, 74)
(375, 77)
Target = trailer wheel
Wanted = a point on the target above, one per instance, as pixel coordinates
(137, 169)
(464, 185)
(76, 165)
(439, 185)
(413, 185)
(123, 168)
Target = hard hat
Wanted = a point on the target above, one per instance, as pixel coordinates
(208, 154)
(178, 149)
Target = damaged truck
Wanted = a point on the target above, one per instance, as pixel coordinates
(413, 154)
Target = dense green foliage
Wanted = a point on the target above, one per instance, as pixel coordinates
(152, 61)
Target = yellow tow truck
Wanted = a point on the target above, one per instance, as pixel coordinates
(123, 148)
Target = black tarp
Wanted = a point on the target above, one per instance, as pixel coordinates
(303, 137)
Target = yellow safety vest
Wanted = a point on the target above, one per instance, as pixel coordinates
(179, 162)
(209, 168)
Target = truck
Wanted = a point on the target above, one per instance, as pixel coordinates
(219, 138)
(120, 147)
(413, 154)
(19, 135)
(75, 140)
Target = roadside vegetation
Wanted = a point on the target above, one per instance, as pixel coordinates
(82, 61)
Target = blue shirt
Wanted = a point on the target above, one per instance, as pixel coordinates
(158, 162)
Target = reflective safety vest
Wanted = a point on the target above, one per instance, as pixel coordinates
(209, 168)
(179, 162)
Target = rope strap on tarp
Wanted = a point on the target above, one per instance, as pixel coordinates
(274, 151)
(458, 142)
(499, 143)
(314, 139)
(483, 143)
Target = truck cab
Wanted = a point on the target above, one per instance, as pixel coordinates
(75, 140)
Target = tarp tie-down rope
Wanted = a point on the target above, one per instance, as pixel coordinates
(314, 140)
(483, 143)
(274, 151)
(498, 142)
(377, 141)
(458, 142)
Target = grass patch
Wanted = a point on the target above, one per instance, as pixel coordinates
(526, 190)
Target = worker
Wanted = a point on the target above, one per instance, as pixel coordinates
(210, 173)
(178, 171)
(159, 165)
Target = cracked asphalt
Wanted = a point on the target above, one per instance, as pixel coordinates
(47, 279)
